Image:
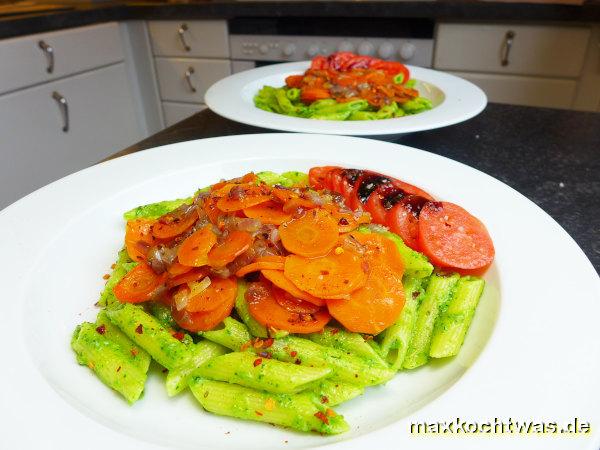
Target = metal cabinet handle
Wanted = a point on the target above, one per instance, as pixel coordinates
(188, 77)
(181, 33)
(64, 109)
(506, 46)
(49, 52)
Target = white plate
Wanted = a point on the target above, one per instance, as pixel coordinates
(455, 100)
(532, 352)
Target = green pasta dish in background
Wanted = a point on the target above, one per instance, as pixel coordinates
(245, 369)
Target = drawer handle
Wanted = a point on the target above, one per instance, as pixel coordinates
(188, 76)
(181, 33)
(64, 109)
(506, 46)
(49, 52)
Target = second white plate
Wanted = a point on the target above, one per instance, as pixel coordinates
(455, 100)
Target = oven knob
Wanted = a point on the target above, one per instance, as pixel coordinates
(289, 49)
(264, 49)
(407, 51)
(313, 50)
(385, 50)
(346, 46)
(366, 48)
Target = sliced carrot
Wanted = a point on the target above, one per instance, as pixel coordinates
(176, 269)
(138, 238)
(210, 208)
(278, 278)
(139, 284)
(259, 265)
(381, 248)
(268, 212)
(266, 311)
(244, 196)
(347, 221)
(336, 274)
(313, 234)
(311, 94)
(236, 243)
(202, 321)
(194, 250)
(375, 306)
(283, 195)
(271, 258)
(195, 274)
(221, 290)
(293, 304)
(175, 223)
(296, 203)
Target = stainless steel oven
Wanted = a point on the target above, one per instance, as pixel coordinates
(257, 42)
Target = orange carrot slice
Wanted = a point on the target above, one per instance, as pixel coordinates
(266, 311)
(313, 234)
(244, 196)
(337, 274)
(236, 243)
(194, 250)
(197, 273)
(221, 290)
(297, 203)
(138, 238)
(202, 321)
(268, 212)
(176, 269)
(259, 265)
(173, 224)
(293, 304)
(138, 285)
(278, 278)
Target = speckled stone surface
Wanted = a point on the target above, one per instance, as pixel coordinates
(550, 156)
(89, 13)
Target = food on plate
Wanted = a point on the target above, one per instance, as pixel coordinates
(345, 86)
(275, 297)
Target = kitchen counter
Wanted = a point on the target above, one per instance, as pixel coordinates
(551, 156)
(463, 10)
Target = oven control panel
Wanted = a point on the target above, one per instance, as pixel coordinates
(418, 52)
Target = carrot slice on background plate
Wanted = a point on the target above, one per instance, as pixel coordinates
(268, 212)
(202, 321)
(138, 238)
(259, 265)
(453, 238)
(266, 311)
(221, 290)
(313, 234)
(236, 243)
(138, 285)
(336, 274)
(244, 196)
(278, 278)
(194, 250)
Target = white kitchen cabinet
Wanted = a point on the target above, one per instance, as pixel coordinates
(176, 112)
(23, 61)
(188, 79)
(34, 148)
(194, 38)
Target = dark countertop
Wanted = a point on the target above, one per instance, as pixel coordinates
(463, 10)
(551, 156)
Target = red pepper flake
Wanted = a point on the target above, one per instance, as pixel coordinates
(334, 331)
(343, 221)
(257, 362)
(106, 276)
(415, 294)
(322, 417)
(268, 342)
(298, 362)
(134, 351)
(101, 329)
(179, 336)
(324, 399)
(293, 353)
(139, 329)
(330, 412)
(258, 413)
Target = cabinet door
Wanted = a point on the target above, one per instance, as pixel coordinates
(35, 150)
(176, 112)
(24, 63)
(203, 38)
(186, 80)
